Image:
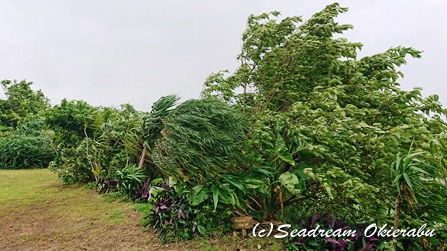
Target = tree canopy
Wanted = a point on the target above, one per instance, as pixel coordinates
(304, 83)
(21, 102)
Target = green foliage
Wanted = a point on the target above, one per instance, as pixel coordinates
(95, 143)
(70, 121)
(302, 126)
(24, 152)
(21, 104)
(116, 141)
(327, 125)
(407, 174)
(172, 216)
(202, 139)
(178, 214)
(26, 146)
(130, 180)
(438, 149)
(154, 122)
(24, 140)
(71, 165)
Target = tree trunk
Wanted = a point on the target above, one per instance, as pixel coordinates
(143, 155)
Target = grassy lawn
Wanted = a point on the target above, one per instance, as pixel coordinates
(37, 212)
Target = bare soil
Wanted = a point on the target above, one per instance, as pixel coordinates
(37, 212)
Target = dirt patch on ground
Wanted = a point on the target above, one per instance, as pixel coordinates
(38, 213)
(70, 219)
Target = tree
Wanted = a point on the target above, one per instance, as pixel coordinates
(304, 83)
(71, 122)
(201, 140)
(21, 102)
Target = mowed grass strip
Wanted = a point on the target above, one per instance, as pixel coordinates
(37, 212)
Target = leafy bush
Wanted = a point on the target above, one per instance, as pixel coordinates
(21, 152)
(130, 180)
(174, 217)
(72, 165)
(94, 143)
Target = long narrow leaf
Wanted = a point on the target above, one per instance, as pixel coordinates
(408, 181)
(215, 195)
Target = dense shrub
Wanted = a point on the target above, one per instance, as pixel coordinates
(202, 139)
(95, 143)
(175, 216)
(72, 165)
(21, 152)
(130, 181)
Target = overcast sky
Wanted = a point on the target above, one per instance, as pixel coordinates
(110, 52)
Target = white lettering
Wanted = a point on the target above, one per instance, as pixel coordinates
(337, 233)
(411, 233)
(313, 232)
(328, 233)
(284, 231)
(321, 232)
(261, 233)
(254, 229)
(349, 233)
(421, 230)
(396, 233)
(271, 229)
(430, 233)
(301, 233)
(280, 229)
(374, 229)
(382, 231)
(403, 232)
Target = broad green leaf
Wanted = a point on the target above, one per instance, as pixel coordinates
(198, 195)
(287, 157)
(290, 182)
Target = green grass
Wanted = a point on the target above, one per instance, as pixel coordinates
(37, 212)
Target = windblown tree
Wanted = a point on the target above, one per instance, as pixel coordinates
(200, 146)
(201, 140)
(21, 103)
(304, 83)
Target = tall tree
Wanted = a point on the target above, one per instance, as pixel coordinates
(21, 102)
(304, 82)
(201, 140)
